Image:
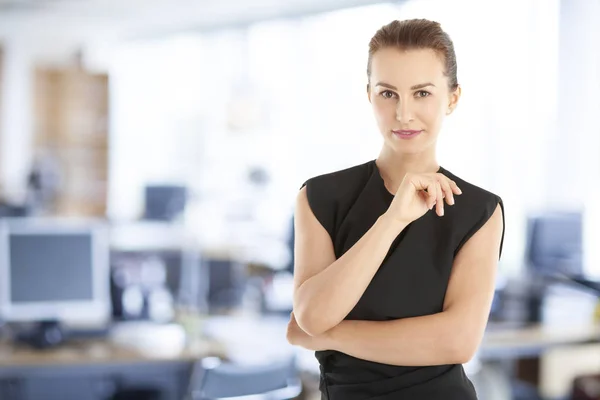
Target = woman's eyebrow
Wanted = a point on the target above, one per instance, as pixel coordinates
(387, 85)
(421, 86)
(414, 87)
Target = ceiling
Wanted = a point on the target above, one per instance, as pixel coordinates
(80, 21)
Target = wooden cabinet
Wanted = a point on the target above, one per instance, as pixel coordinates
(71, 130)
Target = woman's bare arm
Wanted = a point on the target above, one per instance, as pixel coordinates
(449, 337)
(326, 289)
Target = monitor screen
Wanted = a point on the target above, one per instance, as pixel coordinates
(164, 202)
(50, 267)
(554, 242)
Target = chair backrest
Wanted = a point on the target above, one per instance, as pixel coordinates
(213, 379)
(586, 388)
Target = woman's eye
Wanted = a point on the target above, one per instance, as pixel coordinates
(387, 94)
(423, 93)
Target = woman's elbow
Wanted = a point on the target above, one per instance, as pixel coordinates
(463, 351)
(464, 356)
(311, 322)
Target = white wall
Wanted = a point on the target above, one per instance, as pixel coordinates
(574, 169)
(23, 52)
(16, 119)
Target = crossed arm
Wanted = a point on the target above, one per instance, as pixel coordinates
(449, 337)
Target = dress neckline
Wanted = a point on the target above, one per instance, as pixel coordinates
(382, 186)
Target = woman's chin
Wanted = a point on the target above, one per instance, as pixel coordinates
(406, 147)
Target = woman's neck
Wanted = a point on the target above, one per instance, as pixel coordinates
(392, 167)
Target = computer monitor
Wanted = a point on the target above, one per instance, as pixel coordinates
(54, 270)
(164, 202)
(555, 243)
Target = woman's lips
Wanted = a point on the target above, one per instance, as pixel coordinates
(407, 133)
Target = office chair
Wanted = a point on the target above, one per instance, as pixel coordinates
(586, 388)
(213, 379)
(137, 394)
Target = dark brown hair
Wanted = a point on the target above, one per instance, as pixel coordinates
(416, 34)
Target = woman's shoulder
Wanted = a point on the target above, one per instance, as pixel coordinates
(341, 181)
(330, 194)
(472, 195)
(473, 208)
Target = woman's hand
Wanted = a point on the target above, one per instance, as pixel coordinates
(297, 337)
(420, 192)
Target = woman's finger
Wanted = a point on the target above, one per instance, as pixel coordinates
(448, 195)
(440, 199)
(432, 193)
(454, 186)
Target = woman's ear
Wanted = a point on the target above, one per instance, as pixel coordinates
(454, 97)
(369, 92)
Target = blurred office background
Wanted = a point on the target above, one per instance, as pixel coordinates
(151, 152)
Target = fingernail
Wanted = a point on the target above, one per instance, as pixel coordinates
(459, 191)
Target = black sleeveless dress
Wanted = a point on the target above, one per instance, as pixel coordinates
(411, 280)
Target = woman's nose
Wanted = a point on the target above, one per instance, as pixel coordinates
(404, 112)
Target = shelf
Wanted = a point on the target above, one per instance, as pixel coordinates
(71, 125)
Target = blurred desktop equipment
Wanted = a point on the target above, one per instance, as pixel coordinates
(568, 304)
(227, 281)
(290, 240)
(164, 202)
(156, 267)
(12, 210)
(55, 274)
(519, 302)
(555, 243)
(142, 285)
(554, 248)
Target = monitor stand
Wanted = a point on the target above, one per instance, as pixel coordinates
(44, 334)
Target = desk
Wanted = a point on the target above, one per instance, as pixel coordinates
(514, 342)
(95, 370)
(92, 369)
(546, 357)
(98, 351)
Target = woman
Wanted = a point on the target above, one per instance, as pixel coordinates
(392, 295)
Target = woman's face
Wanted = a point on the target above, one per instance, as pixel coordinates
(410, 97)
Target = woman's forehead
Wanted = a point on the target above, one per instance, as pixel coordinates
(405, 68)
